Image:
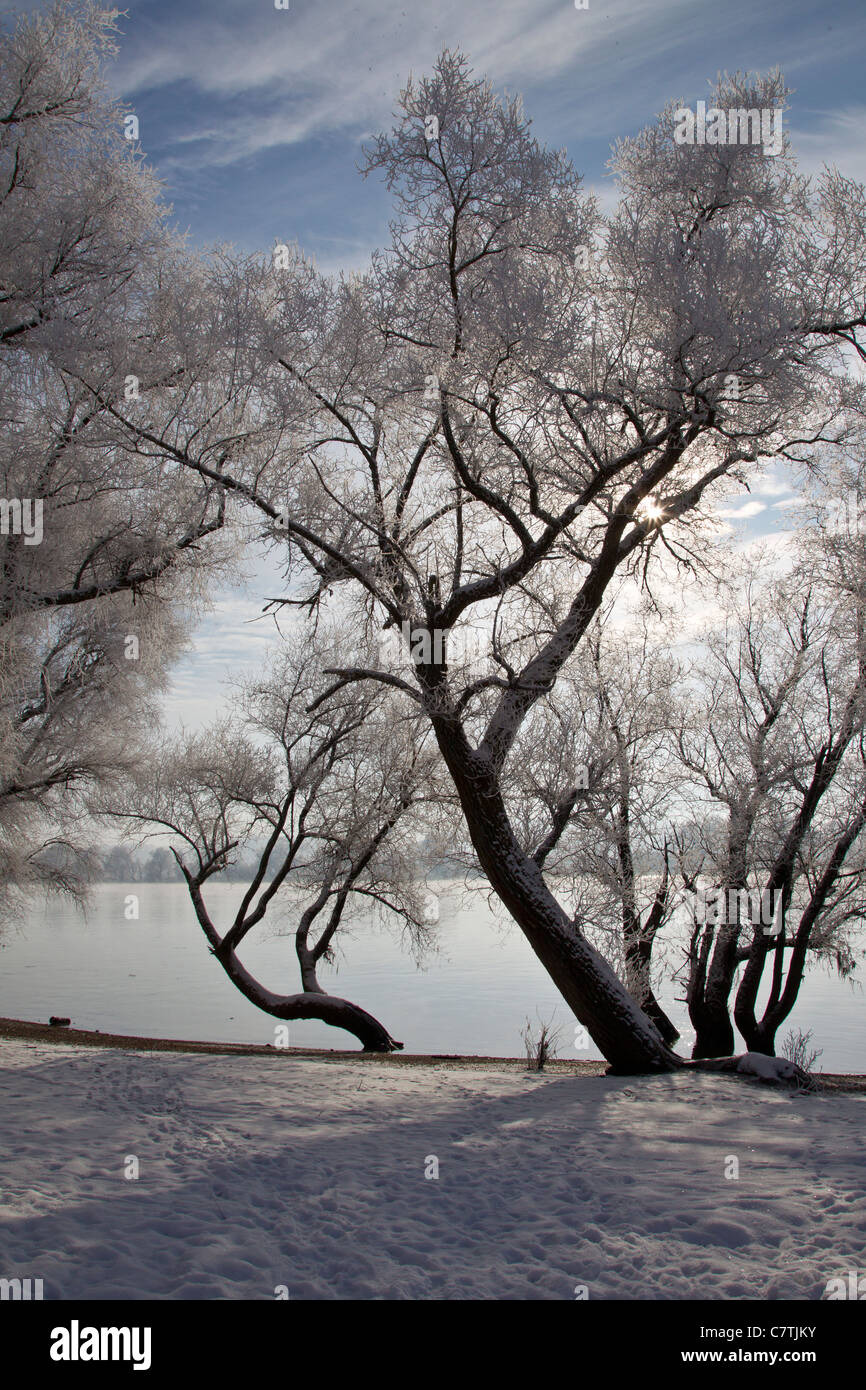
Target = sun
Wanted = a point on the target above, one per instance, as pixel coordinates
(649, 510)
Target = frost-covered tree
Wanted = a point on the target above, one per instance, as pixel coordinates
(520, 401)
(773, 743)
(100, 530)
(74, 713)
(593, 794)
(323, 794)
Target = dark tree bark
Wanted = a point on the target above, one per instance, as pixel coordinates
(713, 970)
(311, 1003)
(760, 1034)
(639, 937)
(623, 1033)
(638, 963)
(709, 997)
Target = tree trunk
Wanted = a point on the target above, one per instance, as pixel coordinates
(623, 1033)
(762, 1038)
(638, 963)
(714, 1036)
(638, 938)
(760, 1033)
(709, 998)
(328, 1008)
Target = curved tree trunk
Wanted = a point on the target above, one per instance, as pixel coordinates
(312, 1002)
(639, 939)
(328, 1008)
(760, 1034)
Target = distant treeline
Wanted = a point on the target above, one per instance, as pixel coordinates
(122, 864)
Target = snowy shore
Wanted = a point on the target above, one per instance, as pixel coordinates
(308, 1177)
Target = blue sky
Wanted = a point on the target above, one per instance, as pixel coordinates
(254, 118)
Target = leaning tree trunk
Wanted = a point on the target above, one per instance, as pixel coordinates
(623, 1033)
(313, 1002)
(328, 1008)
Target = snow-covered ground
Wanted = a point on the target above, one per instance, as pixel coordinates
(256, 1173)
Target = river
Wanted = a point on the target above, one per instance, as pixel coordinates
(154, 976)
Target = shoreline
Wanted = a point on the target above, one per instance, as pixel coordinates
(17, 1028)
(25, 1030)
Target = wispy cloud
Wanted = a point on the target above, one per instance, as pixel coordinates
(742, 512)
(837, 139)
(317, 67)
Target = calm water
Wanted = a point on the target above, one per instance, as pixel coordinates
(155, 977)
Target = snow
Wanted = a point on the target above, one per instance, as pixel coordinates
(766, 1068)
(260, 1172)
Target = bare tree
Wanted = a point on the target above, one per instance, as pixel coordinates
(520, 401)
(101, 531)
(775, 739)
(88, 266)
(325, 799)
(592, 794)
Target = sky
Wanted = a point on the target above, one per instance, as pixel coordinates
(255, 118)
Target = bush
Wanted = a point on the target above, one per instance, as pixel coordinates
(539, 1047)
